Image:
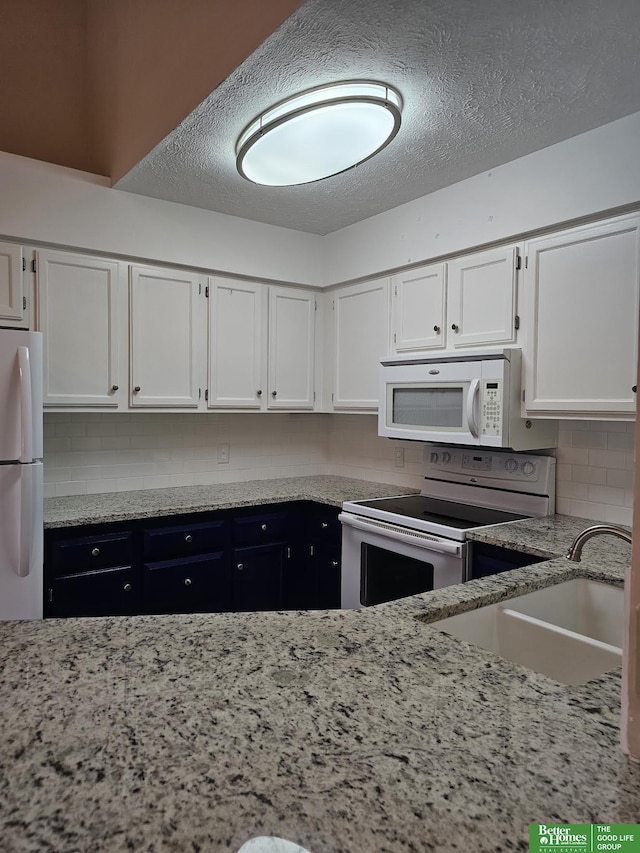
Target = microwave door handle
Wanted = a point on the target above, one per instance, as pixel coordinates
(472, 396)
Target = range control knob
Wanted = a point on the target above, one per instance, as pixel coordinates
(433, 458)
(528, 468)
(446, 458)
(511, 465)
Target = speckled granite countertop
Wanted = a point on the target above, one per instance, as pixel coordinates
(344, 731)
(124, 506)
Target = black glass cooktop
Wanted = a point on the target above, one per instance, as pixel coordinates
(460, 516)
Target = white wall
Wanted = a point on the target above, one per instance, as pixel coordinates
(90, 453)
(43, 203)
(596, 171)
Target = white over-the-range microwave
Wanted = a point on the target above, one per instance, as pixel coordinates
(470, 397)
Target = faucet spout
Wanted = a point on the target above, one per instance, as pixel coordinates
(575, 551)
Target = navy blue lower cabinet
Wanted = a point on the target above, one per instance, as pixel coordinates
(327, 567)
(103, 592)
(187, 585)
(256, 577)
(492, 559)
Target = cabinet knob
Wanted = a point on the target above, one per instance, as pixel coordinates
(127, 587)
(239, 566)
(436, 329)
(263, 527)
(187, 581)
(324, 525)
(274, 393)
(136, 389)
(114, 387)
(455, 328)
(634, 389)
(95, 552)
(259, 392)
(334, 564)
(188, 538)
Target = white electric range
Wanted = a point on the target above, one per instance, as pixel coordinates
(404, 545)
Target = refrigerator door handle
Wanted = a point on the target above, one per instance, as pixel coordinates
(26, 408)
(26, 523)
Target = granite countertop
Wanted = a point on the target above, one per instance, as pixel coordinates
(125, 506)
(344, 731)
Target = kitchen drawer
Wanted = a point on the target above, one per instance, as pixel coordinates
(268, 527)
(195, 584)
(323, 525)
(185, 540)
(105, 592)
(88, 553)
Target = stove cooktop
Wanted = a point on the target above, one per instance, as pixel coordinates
(446, 513)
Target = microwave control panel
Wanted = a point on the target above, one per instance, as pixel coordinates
(491, 423)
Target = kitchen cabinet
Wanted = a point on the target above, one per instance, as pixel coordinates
(360, 338)
(79, 304)
(481, 298)
(291, 348)
(418, 318)
(324, 537)
(235, 344)
(163, 319)
(13, 300)
(580, 353)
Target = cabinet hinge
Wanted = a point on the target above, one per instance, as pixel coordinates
(33, 265)
(315, 304)
(199, 288)
(314, 396)
(332, 398)
(526, 262)
(516, 322)
(395, 289)
(395, 337)
(333, 304)
(199, 393)
(206, 292)
(518, 262)
(24, 303)
(206, 394)
(523, 394)
(24, 264)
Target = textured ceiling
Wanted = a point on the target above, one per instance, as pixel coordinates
(482, 82)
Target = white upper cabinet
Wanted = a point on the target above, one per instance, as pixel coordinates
(418, 309)
(291, 348)
(482, 298)
(12, 296)
(78, 299)
(581, 289)
(163, 307)
(235, 344)
(360, 340)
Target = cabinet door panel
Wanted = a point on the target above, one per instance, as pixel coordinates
(291, 348)
(361, 328)
(192, 585)
(235, 350)
(582, 309)
(481, 298)
(11, 285)
(108, 592)
(78, 305)
(256, 577)
(419, 309)
(163, 305)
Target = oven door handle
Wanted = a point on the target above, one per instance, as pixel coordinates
(402, 534)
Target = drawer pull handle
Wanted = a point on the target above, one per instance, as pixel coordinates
(263, 527)
(240, 566)
(114, 387)
(324, 525)
(127, 587)
(436, 329)
(187, 581)
(136, 389)
(334, 564)
(274, 393)
(95, 552)
(188, 538)
(455, 328)
(259, 392)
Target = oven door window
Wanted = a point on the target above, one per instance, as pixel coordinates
(385, 576)
(429, 407)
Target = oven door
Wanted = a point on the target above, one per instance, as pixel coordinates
(383, 562)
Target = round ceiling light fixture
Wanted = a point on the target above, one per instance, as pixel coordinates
(319, 133)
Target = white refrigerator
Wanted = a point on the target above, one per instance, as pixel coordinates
(21, 475)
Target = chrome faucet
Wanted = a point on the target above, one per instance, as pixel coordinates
(575, 550)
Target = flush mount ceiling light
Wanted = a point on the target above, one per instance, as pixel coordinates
(318, 133)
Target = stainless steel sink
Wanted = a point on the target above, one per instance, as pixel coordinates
(571, 632)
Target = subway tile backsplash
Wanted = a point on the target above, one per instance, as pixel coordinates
(86, 453)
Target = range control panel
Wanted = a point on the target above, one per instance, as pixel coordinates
(491, 423)
(444, 461)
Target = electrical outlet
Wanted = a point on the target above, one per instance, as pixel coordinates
(399, 457)
(223, 454)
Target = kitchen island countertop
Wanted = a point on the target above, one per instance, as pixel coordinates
(342, 730)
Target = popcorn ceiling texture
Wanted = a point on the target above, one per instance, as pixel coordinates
(94, 453)
(482, 83)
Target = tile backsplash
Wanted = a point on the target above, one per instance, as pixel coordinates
(87, 453)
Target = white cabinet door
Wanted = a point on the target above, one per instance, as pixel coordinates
(163, 337)
(361, 339)
(291, 348)
(581, 290)
(235, 344)
(78, 298)
(418, 309)
(482, 298)
(12, 308)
